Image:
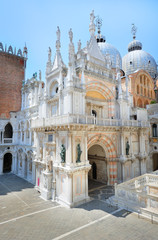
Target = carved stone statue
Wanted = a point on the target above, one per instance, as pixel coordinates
(62, 153)
(127, 148)
(92, 17)
(70, 35)
(58, 33)
(79, 152)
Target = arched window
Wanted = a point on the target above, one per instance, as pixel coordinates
(144, 92)
(154, 130)
(8, 132)
(137, 89)
(94, 113)
(139, 103)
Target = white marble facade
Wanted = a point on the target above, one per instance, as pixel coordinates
(83, 107)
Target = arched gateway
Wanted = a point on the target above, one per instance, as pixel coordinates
(96, 157)
(102, 157)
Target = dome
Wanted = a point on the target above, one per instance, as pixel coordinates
(134, 45)
(107, 48)
(137, 59)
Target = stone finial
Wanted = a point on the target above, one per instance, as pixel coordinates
(92, 25)
(58, 39)
(79, 45)
(25, 51)
(71, 35)
(49, 54)
(134, 30)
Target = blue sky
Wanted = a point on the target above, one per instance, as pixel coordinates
(35, 22)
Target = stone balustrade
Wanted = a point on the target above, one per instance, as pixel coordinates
(83, 119)
(139, 194)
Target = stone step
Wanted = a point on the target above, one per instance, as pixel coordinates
(149, 213)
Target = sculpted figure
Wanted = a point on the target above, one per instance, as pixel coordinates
(127, 148)
(58, 33)
(79, 152)
(92, 17)
(70, 35)
(62, 153)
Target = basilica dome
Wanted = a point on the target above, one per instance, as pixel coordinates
(108, 49)
(137, 59)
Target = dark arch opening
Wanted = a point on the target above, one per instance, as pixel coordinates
(94, 170)
(155, 161)
(154, 130)
(94, 113)
(7, 163)
(8, 131)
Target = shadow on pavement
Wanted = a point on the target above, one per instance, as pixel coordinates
(12, 183)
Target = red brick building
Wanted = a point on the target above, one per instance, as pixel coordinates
(12, 73)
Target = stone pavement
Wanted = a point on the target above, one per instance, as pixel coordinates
(25, 216)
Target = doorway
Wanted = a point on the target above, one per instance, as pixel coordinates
(155, 161)
(7, 163)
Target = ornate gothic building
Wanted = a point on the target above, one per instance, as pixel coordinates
(88, 120)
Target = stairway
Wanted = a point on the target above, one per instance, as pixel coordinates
(139, 195)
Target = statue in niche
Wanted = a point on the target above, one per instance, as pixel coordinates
(48, 162)
(79, 152)
(41, 154)
(62, 153)
(127, 148)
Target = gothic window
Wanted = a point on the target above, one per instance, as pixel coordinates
(94, 113)
(54, 109)
(154, 130)
(8, 132)
(50, 138)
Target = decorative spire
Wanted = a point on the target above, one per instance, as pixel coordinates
(58, 39)
(79, 45)
(71, 35)
(40, 77)
(49, 55)
(92, 25)
(71, 47)
(133, 31)
(25, 51)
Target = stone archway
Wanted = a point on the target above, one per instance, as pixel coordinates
(109, 148)
(7, 163)
(155, 161)
(96, 157)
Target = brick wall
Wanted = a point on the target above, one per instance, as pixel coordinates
(11, 76)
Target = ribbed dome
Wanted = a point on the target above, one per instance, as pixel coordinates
(139, 59)
(107, 48)
(134, 45)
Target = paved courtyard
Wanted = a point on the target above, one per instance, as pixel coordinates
(25, 216)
